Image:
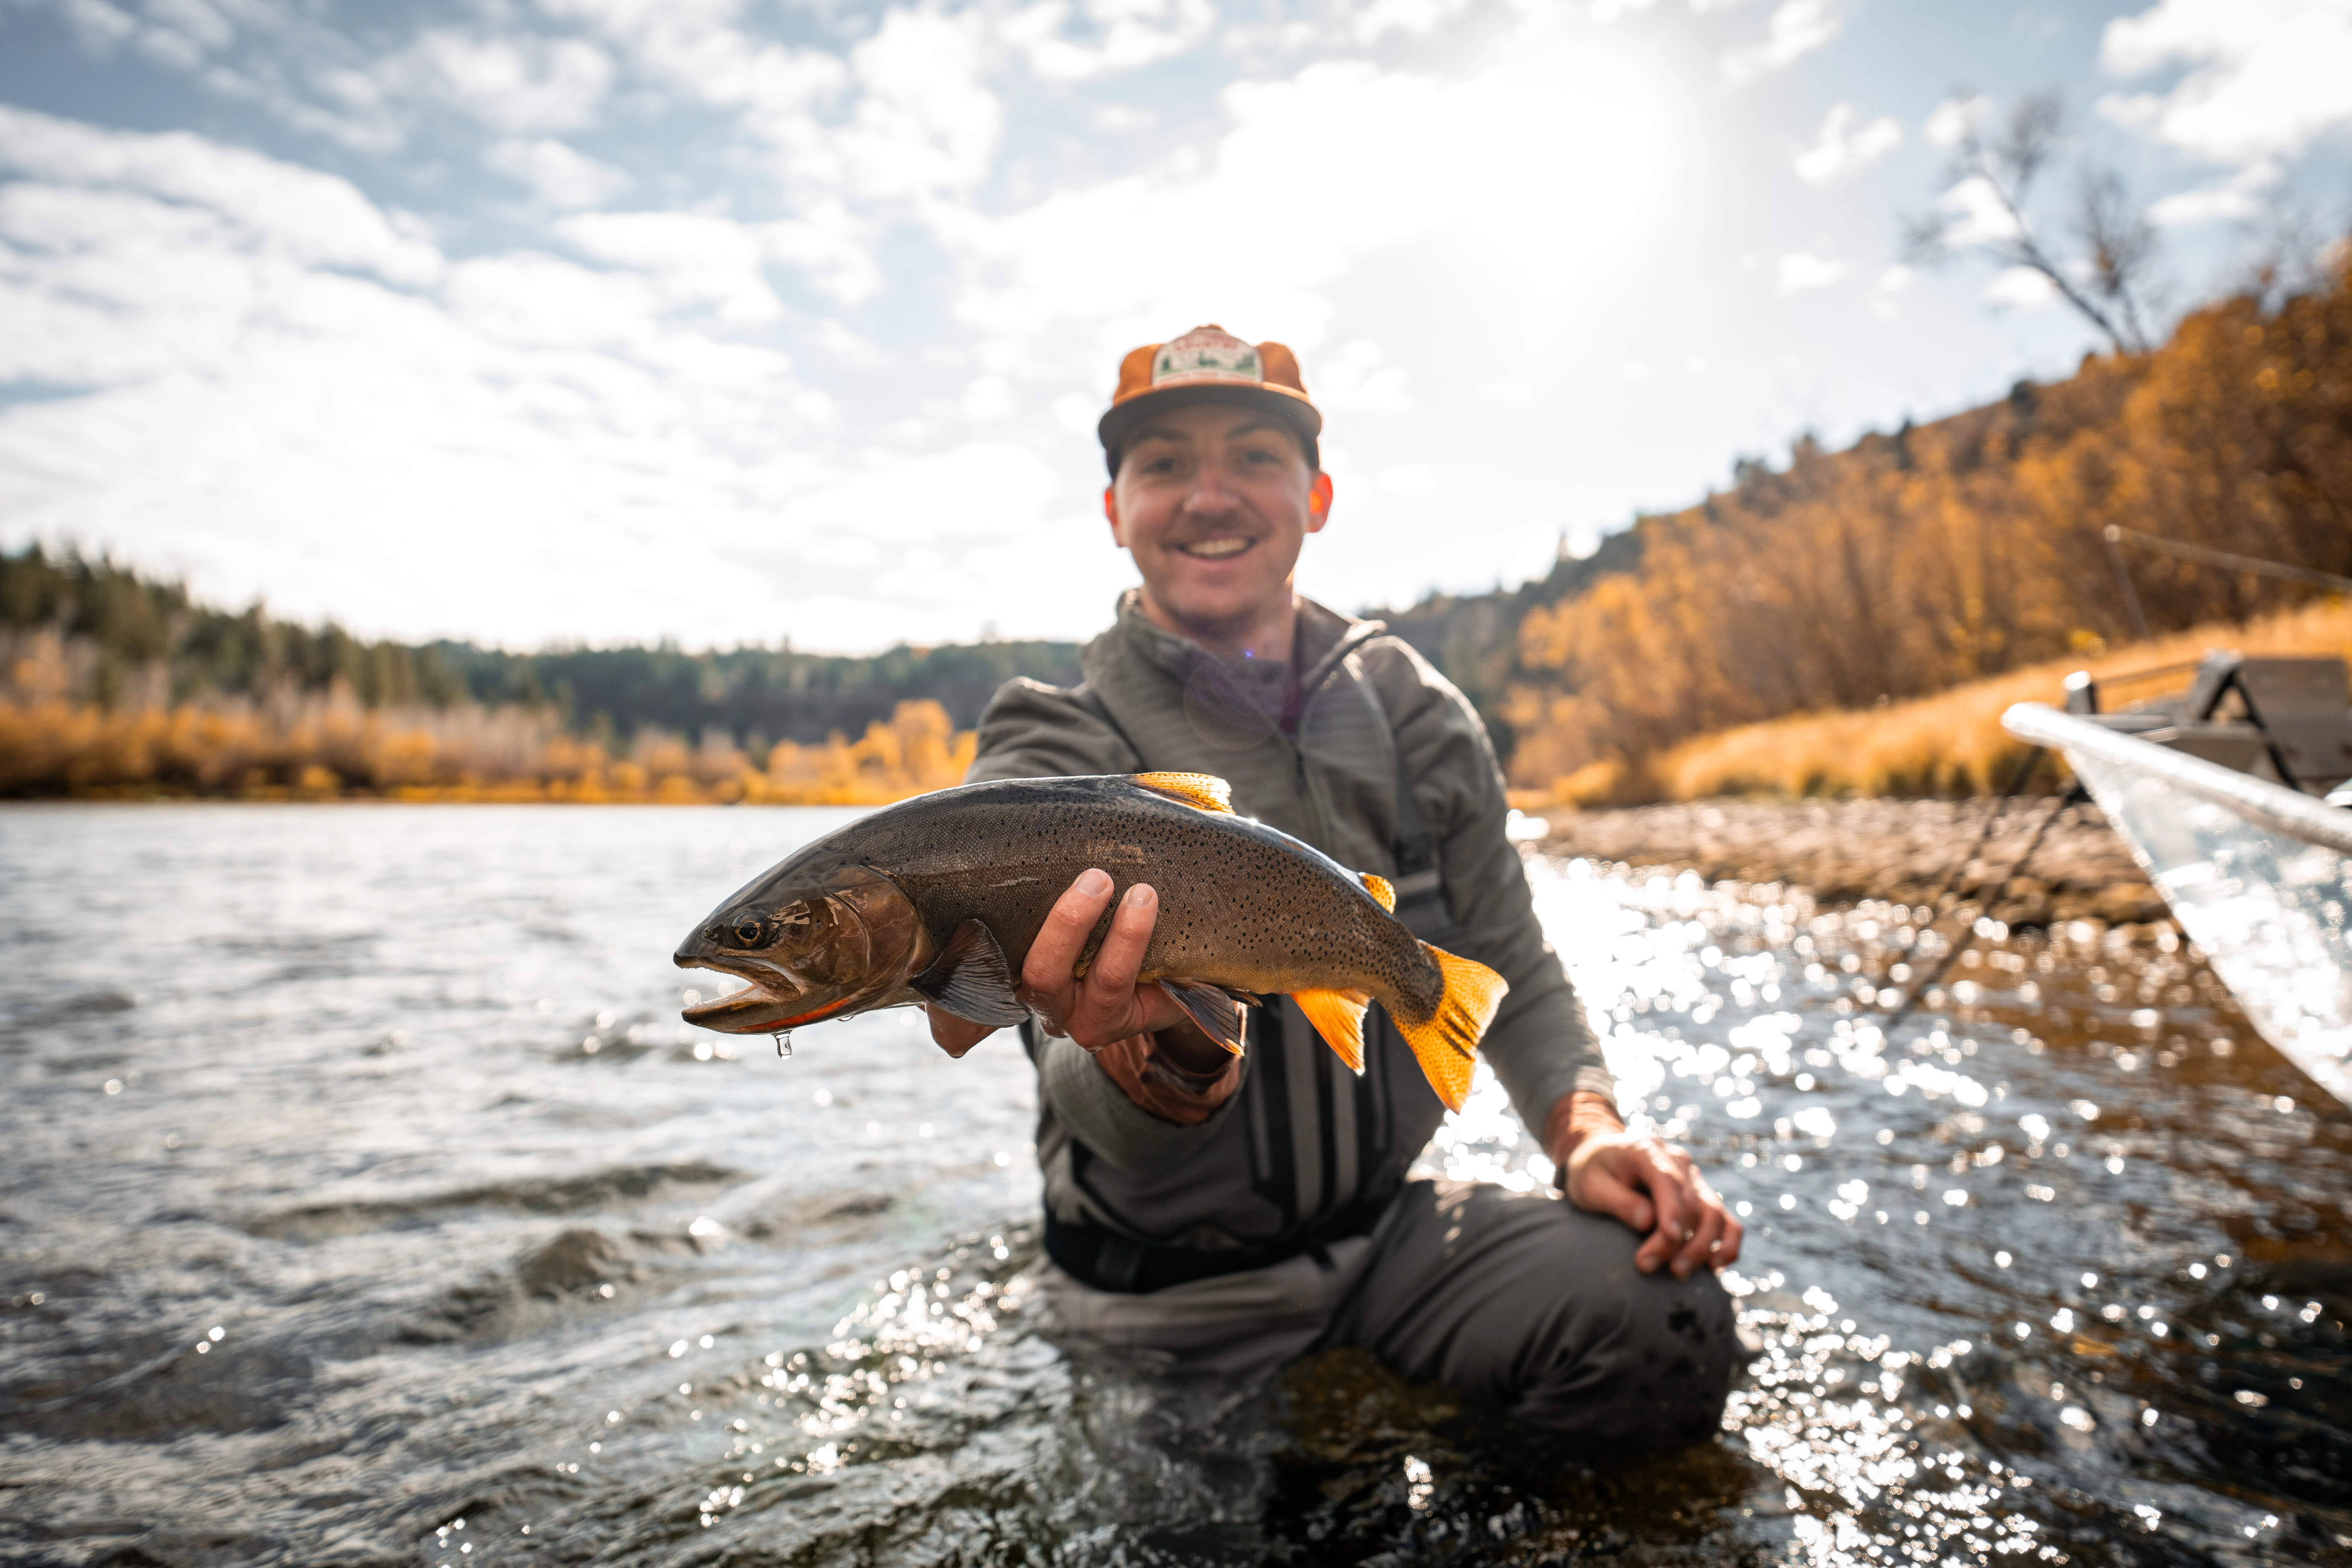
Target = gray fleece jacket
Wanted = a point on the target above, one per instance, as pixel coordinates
(1303, 1139)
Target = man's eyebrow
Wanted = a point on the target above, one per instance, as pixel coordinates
(1170, 432)
(1255, 426)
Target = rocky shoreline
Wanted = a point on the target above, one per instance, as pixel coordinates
(1843, 851)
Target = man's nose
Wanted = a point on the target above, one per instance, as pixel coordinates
(1210, 494)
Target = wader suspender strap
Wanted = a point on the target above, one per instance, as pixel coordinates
(1420, 883)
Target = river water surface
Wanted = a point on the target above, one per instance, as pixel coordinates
(364, 1202)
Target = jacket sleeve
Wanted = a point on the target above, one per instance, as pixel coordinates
(1033, 731)
(1540, 1045)
(1089, 1102)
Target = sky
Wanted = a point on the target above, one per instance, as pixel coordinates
(788, 322)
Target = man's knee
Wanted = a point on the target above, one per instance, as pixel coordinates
(1637, 1359)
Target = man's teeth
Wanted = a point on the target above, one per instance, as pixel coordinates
(1215, 548)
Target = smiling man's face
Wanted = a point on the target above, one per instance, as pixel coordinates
(1213, 504)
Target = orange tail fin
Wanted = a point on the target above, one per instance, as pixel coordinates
(1339, 1017)
(1444, 1044)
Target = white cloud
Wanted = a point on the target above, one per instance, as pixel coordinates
(988, 400)
(832, 246)
(1798, 27)
(1978, 213)
(1540, 174)
(2266, 77)
(1407, 481)
(1880, 301)
(2020, 288)
(2237, 197)
(1128, 36)
(97, 25)
(1413, 18)
(924, 123)
(557, 174)
(297, 214)
(1801, 270)
(694, 48)
(515, 82)
(324, 409)
(194, 19)
(1358, 376)
(1953, 119)
(691, 258)
(695, 259)
(1843, 147)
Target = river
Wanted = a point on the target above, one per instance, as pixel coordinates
(366, 1203)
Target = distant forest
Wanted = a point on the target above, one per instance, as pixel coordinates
(137, 639)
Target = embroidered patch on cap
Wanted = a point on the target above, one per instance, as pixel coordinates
(1206, 353)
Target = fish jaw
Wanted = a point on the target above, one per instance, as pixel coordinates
(767, 1002)
(884, 943)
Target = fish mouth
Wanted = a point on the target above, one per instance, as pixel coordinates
(761, 1007)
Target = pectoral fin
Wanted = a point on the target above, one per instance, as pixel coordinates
(1339, 1017)
(1206, 790)
(1222, 1014)
(971, 979)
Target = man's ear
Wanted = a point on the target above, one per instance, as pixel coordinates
(1318, 502)
(1110, 513)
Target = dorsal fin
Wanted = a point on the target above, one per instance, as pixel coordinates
(1382, 894)
(1205, 791)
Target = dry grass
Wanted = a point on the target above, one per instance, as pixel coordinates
(330, 747)
(1948, 744)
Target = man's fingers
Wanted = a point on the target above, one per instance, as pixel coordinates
(1668, 1192)
(1054, 955)
(1108, 1006)
(1694, 1253)
(1602, 1193)
(1121, 958)
(1728, 1253)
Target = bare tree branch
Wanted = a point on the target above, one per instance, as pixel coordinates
(2121, 244)
(2119, 241)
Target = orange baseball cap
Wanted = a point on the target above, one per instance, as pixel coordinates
(1208, 364)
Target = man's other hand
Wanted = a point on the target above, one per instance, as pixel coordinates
(1105, 1007)
(1643, 1180)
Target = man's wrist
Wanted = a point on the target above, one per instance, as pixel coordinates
(1573, 1118)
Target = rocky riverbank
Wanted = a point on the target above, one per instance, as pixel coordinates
(1904, 850)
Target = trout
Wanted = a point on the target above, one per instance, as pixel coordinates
(936, 900)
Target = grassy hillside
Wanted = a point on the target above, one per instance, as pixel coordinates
(1952, 743)
(1945, 553)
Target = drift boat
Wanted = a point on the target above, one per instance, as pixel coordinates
(2257, 870)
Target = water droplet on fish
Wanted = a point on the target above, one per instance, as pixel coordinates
(784, 1045)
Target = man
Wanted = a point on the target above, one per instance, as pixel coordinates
(1234, 1212)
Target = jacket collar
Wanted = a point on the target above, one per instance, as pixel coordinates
(1322, 642)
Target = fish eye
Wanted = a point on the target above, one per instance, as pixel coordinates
(747, 931)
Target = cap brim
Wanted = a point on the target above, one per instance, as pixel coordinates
(1294, 410)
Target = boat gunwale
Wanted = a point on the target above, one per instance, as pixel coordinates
(2272, 806)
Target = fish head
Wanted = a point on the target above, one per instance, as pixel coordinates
(813, 943)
